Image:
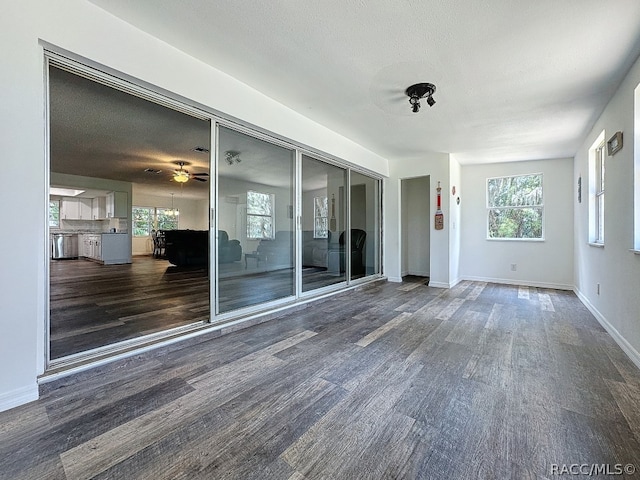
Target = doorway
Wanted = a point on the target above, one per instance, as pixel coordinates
(415, 226)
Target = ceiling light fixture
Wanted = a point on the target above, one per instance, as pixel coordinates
(418, 91)
(181, 175)
(231, 156)
(173, 212)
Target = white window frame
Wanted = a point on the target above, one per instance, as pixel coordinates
(597, 164)
(636, 171)
(153, 225)
(599, 175)
(270, 235)
(539, 206)
(176, 215)
(320, 217)
(54, 221)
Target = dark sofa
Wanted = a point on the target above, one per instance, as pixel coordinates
(358, 243)
(228, 250)
(191, 247)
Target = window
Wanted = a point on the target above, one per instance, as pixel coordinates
(636, 169)
(146, 219)
(166, 219)
(515, 207)
(54, 213)
(320, 214)
(259, 215)
(599, 195)
(142, 221)
(597, 154)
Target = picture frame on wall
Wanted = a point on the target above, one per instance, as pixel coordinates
(614, 145)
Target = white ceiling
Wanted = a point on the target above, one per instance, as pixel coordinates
(515, 79)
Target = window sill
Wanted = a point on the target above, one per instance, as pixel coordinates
(597, 245)
(634, 251)
(515, 239)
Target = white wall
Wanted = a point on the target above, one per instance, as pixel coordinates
(538, 263)
(85, 30)
(436, 165)
(614, 267)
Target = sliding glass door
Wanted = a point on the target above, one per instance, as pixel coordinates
(113, 154)
(255, 236)
(365, 225)
(324, 216)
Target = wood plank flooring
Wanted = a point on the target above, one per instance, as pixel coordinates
(93, 305)
(390, 381)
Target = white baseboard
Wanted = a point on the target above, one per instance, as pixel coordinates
(395, 279)
(626, 347)
(18, 397)
(438, 284)
(525, 283)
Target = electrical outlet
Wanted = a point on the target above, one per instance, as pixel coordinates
(514, 267)
(598, 289)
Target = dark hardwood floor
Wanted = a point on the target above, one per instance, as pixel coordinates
(93, 305)
(389, 381)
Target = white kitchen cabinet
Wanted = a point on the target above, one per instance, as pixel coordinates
(69, 208)
(84, 209)
(82, 245)
(117, 205)
(99, 208)
(106, 248)
(95, 246)
(75, 208)
(89, 245)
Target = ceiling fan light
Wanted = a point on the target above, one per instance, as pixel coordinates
(180, 176)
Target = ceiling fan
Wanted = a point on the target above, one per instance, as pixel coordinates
(181, 175)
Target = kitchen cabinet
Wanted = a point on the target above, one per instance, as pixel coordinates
(89, 246)
(117, 205)
(99, 208)
(106, 248)
(94, 246)
(68, 208)
(82, 245)
(75, 208)
(115, 248)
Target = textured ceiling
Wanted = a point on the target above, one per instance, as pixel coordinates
(515, 79)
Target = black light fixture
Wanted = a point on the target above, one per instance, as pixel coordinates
(232, 156)
(418, 91)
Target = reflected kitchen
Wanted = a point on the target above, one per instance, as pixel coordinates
(89, 224)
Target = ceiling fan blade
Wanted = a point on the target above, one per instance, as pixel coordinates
(200, 174)
(199, 179)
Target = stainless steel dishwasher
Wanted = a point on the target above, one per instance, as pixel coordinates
(64, 245)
